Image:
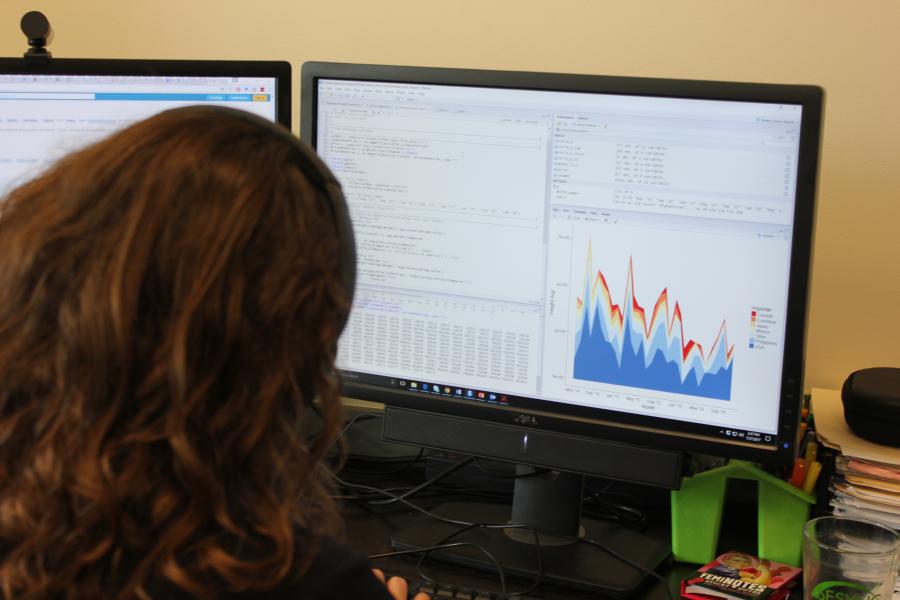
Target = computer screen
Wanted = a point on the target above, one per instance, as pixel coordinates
(51, 109)
(609, 257)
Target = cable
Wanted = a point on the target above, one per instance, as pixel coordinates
(466, 526)
(446, 539)
(437, 491)
(537, 545)
(407, 463)
(347, 426)
(629, 562)
(608, 491)
(367, 416)
(367, 497)
(396, 497)
(446, 472)
(444, 546)
(627, 514)
(352, 422)
(594, 492)
(416, 507)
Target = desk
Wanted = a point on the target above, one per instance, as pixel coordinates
(369, 531)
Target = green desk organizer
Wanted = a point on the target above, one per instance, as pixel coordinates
(697, 514)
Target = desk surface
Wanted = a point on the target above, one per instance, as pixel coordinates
(370, 528)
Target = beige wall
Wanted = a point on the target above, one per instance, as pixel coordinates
(851, 49)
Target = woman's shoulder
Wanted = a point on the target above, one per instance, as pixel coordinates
(336, 572)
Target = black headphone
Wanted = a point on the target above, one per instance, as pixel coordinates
(319, 175)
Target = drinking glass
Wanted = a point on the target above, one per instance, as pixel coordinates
(849, 559)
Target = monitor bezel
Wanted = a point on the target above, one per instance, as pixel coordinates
(655, 432)
(279, 70)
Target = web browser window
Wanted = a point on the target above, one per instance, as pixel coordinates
(47, 116)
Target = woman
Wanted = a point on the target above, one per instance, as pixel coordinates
(170, 302)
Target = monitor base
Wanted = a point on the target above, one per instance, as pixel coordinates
(575, 564)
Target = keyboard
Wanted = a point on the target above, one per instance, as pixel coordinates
(439, 591)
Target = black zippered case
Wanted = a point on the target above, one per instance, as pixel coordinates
(871, 400)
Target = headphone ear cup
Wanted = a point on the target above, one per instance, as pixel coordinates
(318, 173)
(346, 242)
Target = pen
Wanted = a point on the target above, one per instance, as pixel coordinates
(811, 453)
(812, 474)
(798, 473)
(810, 434)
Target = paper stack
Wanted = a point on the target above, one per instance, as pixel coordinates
(866, 483)
(867, 490)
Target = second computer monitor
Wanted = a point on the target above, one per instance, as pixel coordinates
(55, 107)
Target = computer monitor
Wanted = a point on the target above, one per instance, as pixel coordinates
(584, 273)
(51, 108)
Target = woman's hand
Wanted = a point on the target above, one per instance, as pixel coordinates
(398, 587)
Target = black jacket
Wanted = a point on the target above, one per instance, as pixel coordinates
(336, 573)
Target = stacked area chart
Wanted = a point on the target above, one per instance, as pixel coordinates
(621, 344)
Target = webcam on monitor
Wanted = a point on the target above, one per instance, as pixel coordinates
(36, 28)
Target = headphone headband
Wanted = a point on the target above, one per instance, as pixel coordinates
(319, 175)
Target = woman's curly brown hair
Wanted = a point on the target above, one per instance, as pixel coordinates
(169, 308)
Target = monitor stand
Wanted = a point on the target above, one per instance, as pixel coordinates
(550, 503)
